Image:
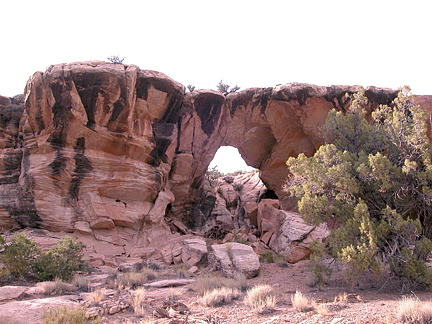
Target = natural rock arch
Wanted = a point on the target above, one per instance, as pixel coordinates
(103, 149)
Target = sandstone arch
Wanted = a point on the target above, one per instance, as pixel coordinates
(104, 148)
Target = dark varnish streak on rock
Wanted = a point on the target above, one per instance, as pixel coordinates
(88, 85)
(208, 107)
(163, 134)
(26, 214)
(58, 164)
(82, 167)
(300, 93)
(381, 96)
(12, 166)
(143, 85)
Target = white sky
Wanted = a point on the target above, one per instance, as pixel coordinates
(249, 43)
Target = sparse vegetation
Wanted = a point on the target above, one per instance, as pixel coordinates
(321, 309)
(97, 295)
(115, 59)
(226, 89)
(81, 283)
(219, 296)
(135, 279)
(19, 256)
(61, 261)
(137, 301)
(63, 315)
(190, 87)
(266, 257)
(23, 259)
(375, 180)
(260, 297)
(312, 279)
(208, 283)
(55, 287)
(300, 302)
(413, 311)
(212, 175)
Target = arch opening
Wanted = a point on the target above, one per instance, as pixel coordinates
(228, 160)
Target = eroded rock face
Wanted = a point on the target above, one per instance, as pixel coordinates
(109, 150)
(98, 145)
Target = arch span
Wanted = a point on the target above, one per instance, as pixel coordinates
(266, 125)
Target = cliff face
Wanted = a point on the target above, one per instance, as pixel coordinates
(104, 149)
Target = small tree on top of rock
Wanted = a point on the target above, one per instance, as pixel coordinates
(190, 87)
(225, 88)
(375, 181)
(115, 59)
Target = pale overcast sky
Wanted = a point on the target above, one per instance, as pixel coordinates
(249, 43)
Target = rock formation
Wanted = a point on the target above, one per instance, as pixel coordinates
(109, 151)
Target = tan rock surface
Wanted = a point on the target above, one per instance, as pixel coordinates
(231, 258)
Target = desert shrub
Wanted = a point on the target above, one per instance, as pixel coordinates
(375, 180)
(61, 261)
(212, 175)
(225, 88)
(63, 314)
(115, 59)
(413, 311)
(260, 297)
(219, 296)
(19, 256)
(190, 87)
(266, 257)
(300, 302)
(319, 273)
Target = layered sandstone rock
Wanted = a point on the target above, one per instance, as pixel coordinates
(99, 140)
(109, 151)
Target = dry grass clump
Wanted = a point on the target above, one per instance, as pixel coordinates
(413, 311)
(342, 297)
(220, 296)
(300, 302)
(209, 283)
(81, 283)
(321, 309)
(260, 297)
(55, 287)
(63, 314)
(135, 279)
(97, 295)
(137, 301)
